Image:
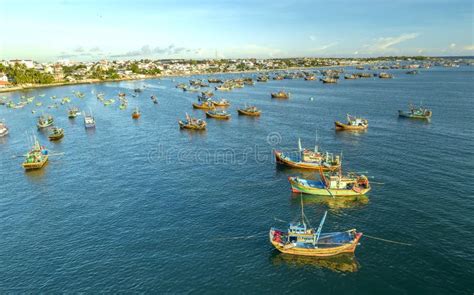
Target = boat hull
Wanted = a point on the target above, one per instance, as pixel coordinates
(252, 114)
(280, 159)
(403, 114)
(203, 106)
(219, 117)
(55, 137)
(35, 165)
(342, 126)
(316, 252)
(135, 116)
(183, 125)
(298, 187)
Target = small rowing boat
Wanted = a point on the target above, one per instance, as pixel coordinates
(3, 129)
(89, 121)
(154, 99)
(218, 114)
(353, 123)
(136, 113)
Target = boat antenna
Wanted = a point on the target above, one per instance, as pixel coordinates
(299, 145)
(302, 210)
(316, 148)
(320, 227)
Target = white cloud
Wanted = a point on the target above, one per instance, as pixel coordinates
(324, 47)
(356, 52)
(385, 44)
(312, 38)
(452, 45)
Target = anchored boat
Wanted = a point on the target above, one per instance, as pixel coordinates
(56, 134)
(353, 123)
(36, 158)
(218, 114)
(416, 113)
(45, 121)
(250, 111)
(3, 129)
(89, 121)
(299, 239)
(281, 94)
(333, 184)
(308, 159)
(73, 112)
(192, 123)
(136, 113)
(207, 105)
(221, 103)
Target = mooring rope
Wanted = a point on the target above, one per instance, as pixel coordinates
(388, 241)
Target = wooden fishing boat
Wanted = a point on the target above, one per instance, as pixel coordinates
(262, 79)
(353, 123)
(56, 134)
(278, 78)
(310, 78)
(250, 111)
(416, 113)
(3, 129)
(412, 72)
(36, 158)
(308, 159)
(329, 80)
(154, 99)
(281, 95)
(223, 88)
(192, 123)
(208, 105)
(218, 114)
(299, 239)
(350, 77)
(73, 112)
(385, 76)
(333, 184)
(221, 103)
(45, 121)
(136, 114)
(214, 80)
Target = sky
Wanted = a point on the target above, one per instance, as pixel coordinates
(82, 30)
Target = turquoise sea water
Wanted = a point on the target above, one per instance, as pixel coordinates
(144, 207)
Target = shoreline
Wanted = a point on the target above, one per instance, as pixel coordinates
(98, 81)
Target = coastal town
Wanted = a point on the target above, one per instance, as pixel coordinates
(20, 74)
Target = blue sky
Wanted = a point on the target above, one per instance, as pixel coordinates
(92, 29)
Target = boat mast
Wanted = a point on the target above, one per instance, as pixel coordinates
(302, 211)
(318, 232)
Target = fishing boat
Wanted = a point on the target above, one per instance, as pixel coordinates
(214, 80)
(416, 113)
(221, 103)
(36, 158)
(308, 159)
(207, 105)
(350, 77)
(299, 239)
(310, 78)
(385, 76)
(332, 183)
(56, 134)
(89, 121)
(262, 79)
(154, 99)
(73, 112)
(45, 121)
(250, 111)
(218, 114)
(412, 72)
(137, 90)
(3, 129)
(223, 88)
(206, 95)
(278, 78)
(329, 80)
(353, 123)
(79, 94)
(359, 67)
(280, 94)
(192, 123)
(136, 113)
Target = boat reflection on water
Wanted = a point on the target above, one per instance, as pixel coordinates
(339, 263)
(334, 203)
(36, 175)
